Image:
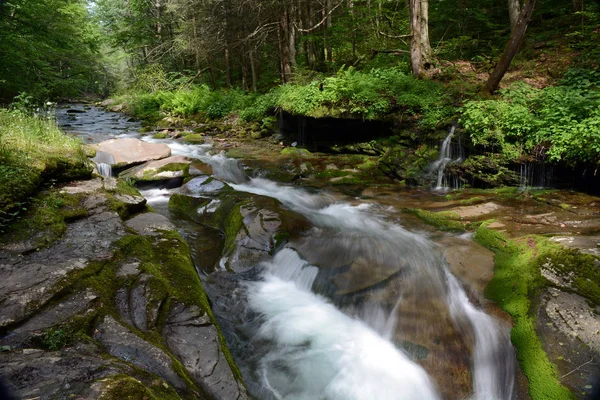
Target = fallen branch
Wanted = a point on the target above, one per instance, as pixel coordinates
(576, 369)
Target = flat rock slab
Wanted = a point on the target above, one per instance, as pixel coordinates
(476, 211)
(130, 151)
(192, 337)
(149, 223)
(571, 314)
(29, 281)
(127, 346)
(166, 168)
(38, 374)
(586, 244)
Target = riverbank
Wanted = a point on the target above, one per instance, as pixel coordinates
(99, 295)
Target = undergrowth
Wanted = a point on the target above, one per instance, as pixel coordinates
(34, 151)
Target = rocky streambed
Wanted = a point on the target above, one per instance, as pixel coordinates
(116, 297)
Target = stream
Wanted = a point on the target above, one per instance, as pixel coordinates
(363, 305)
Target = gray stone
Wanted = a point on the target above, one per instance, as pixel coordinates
(131, 268)
(149, 224)
(55, 315)
(37, 374)
(85, 187)
(194, 340)
(150, 170)
(200, 186)
(572, 315)
(27, 282)
(125, 345)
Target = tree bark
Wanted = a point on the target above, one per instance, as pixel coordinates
(512, 47)
(426, 52)
(253, 70)
(514, 9)
(416, 56)
(227, 68)
(284, 40)
(328, 25)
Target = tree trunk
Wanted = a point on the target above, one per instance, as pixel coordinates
(514, 9)
(426, 52)
(253, 70)
(284, 42)
(516, 38)
(328, 25)
(416, 56)
(227, 68)
(292, 36)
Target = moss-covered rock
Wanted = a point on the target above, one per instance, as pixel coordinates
(515, 287)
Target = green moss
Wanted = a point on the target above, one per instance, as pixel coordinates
(159, 135)
(294, 152)
(472, 200)
(56, 338)
(124, 387)
(443, 220)
(194, 138)
(45, 218)
(516, 281)
(582, 269)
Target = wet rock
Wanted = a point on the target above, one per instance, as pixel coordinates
(199, 168)
(571, 314)
(129, 151)
(192, 337)
(167, 168)
(586, 244)
(133, 204)
(55, 315)
(128, 269)
(83, 187)
(28, 282)
(202, 185)
(125, 345)
(149, 224)
(37, 374)
(476, 210)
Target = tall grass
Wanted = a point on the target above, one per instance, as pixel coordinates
(33, 150)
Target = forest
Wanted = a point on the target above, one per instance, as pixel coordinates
(298, 199)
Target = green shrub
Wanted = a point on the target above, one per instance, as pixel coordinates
(560, 122)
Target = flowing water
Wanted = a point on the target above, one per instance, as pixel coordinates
(438, 167)
(345, 310)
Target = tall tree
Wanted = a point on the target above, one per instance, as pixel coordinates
(420, 48)
(512, 47)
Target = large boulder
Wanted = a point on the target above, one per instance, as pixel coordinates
(129, 151)
(254, 226)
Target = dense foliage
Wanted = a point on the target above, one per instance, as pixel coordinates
(33, 151)
(560, 123)
(47, 48)
(350, 93)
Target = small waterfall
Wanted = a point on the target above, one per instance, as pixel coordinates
(535, 175)
(104, 169)
(104, 162)
(438, 167)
